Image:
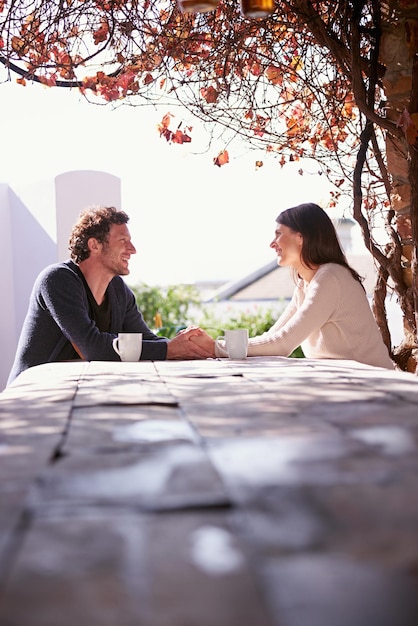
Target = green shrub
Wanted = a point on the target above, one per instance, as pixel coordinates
(167, 310)
(169, 306)
(256, 319)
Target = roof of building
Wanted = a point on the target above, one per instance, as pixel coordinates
(272, 282)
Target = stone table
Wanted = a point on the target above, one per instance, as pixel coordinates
(261, 492)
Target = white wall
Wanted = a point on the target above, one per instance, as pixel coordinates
(27, 245)
(26, 249)
(74, 191)
(8, 317)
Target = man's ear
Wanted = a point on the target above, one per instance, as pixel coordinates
(94, 245)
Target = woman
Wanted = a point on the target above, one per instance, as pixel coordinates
(329, 315)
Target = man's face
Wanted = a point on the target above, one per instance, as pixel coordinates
(117, 250)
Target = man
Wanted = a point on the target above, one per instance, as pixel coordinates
(77, 308)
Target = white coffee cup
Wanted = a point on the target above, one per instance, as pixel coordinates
(235, 342)
(128, 346)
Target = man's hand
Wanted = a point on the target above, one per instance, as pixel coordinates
(191, 343)
(204, 341)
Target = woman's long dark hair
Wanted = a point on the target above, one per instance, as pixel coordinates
(320, 239)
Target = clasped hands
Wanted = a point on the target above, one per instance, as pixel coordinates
(191, 343)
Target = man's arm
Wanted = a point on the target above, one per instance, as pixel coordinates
(65, 298)
(62, 294)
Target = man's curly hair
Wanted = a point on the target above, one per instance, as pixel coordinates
(95, 221)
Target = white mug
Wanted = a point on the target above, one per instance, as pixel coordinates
(235, 342)
(128, 346)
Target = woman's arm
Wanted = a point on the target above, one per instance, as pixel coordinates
(307, 312)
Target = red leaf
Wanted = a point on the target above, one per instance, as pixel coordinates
(210, 94)
(274, 75)
(164, 124)
(180, 137)
(222, 158)
(101, 33)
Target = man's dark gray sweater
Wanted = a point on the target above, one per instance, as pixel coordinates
(58, 322)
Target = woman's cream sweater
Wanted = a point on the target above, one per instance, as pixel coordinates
(330, 317)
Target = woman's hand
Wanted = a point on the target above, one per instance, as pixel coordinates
(204, 341)
(191, 343)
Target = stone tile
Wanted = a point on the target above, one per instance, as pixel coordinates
(107, 567)
(33, 416)
(246, 403)
(119, 369)
(78, 569)
(209, 368)
(122, 391)
(371, 522)
(125, 427)
(361, 410)
(282, 520)
(48, 375)
(330, 590)
(12, 511)
(308, 458)
(390, 439)
(237, 424)
(164, 477)
(201, 574)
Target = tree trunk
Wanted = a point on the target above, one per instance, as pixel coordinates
(398, 52)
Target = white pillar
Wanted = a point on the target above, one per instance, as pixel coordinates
(75, 191)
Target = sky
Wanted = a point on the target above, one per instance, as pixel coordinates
(190, 220)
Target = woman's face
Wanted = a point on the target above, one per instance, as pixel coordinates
(288, 246)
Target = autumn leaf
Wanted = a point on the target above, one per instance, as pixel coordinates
(109, 91)
(210, 94)
(348, 109)
(165, 123)
(19, 45)
(177, 136)
(222, 158)
(180, 137)
(166, 133)
(297, 63)
(21, 81)
(49, 81)
(101, 33)
(258, 164)
(327, 141)
(274, 75)
(258, 126)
